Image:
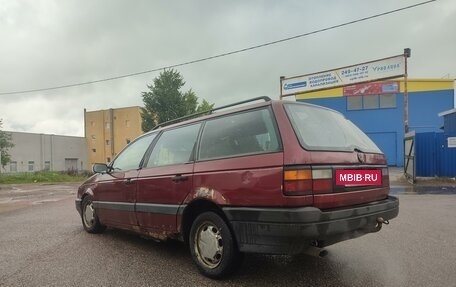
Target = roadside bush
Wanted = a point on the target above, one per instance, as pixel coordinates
(41, 177)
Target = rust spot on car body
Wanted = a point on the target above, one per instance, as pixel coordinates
(211, 194)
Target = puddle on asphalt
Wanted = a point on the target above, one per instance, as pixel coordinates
(6, 200)
(45, 200)
(423, 189)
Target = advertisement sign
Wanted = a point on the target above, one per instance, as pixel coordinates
(375, 70)
(451, 142)
(373, 88)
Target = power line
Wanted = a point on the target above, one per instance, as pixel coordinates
(221, 55)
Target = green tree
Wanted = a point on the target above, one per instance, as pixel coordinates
(204, 106)
(5, 144)
(165, 101)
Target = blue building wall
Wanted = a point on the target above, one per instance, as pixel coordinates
(449, 122)
(424, 108)
(386, 126)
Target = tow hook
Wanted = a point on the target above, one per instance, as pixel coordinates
(380, 222)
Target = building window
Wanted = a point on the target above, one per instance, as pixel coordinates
(107, 142)
(369, 102)
(388, 101)
(108, 126)
(93, 137)
(92, 123)
(108, 160)
(94, 150)
(31, 165)
(47, 165)
(13, 166)
(354, 102)
(127, 123)
(128, 141)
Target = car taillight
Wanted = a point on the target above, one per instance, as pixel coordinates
(297, 182)
(385, 176)
(307, 181)
(322, 180)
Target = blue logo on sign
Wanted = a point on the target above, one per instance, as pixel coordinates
(390, 88)
(295, 85)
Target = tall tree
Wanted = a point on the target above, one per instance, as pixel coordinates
(165, 101)
(5, 144)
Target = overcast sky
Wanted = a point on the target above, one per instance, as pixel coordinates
(52, 43)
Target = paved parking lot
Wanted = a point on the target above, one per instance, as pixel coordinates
(42, 243)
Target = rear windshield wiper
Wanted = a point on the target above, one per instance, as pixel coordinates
(358, 150)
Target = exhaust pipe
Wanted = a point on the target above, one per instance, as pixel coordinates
(380, 222)
(315, 251)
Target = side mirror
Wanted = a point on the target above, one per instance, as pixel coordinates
(100, 168)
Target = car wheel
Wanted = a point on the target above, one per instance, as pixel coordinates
(212, 246)
(90, 219)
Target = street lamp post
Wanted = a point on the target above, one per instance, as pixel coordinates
(407, 54)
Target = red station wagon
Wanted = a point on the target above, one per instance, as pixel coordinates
(274, 177)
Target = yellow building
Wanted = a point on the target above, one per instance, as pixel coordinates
(107, 132)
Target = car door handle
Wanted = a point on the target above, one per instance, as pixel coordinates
(179, 177)
(128, 181)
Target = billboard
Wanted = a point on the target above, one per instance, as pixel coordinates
(372, 88)
(387, 68)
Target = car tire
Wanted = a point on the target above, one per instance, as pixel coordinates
(89, 217)
(213, 247)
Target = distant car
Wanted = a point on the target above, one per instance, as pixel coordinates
(274, 177)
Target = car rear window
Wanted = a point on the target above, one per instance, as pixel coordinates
(319, 128)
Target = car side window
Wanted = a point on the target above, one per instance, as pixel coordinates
(245, 133)
(131, 156)
(174, 146)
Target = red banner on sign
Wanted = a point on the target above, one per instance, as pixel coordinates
(358, 177)
(374, 88)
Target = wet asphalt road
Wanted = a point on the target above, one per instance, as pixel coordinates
(43, 244)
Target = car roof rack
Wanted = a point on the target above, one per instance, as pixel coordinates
(167, 123)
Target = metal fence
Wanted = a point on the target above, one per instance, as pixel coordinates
(435, 154)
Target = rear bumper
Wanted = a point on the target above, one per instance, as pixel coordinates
(291, 230)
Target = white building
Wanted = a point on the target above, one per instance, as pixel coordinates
(36, 152)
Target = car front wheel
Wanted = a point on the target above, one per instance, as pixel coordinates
(212, 246)
(90, 219)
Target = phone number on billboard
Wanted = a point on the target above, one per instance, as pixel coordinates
(347, 72)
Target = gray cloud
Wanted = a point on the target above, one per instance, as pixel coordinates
(48, 43)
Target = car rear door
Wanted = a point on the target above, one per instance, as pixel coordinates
(240, 160)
